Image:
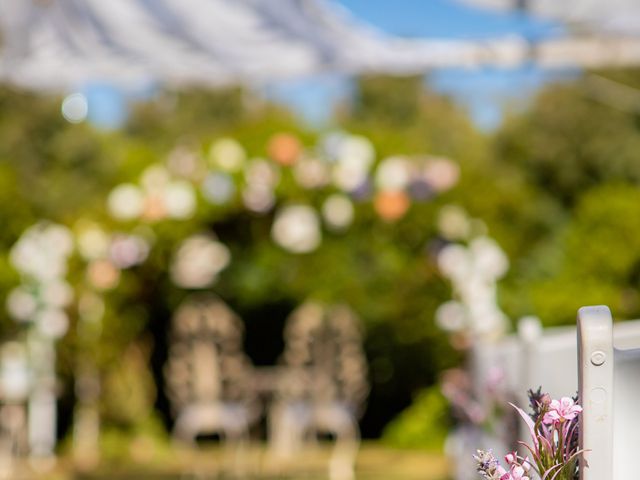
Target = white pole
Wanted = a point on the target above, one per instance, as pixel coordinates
(595, 383)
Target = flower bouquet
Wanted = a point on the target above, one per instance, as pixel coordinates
(554, 452)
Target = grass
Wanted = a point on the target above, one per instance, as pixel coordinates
(374, 462)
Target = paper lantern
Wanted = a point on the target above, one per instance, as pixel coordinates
(391, 205)
(284, 148)
(297, 229)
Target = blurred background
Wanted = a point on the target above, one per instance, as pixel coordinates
(253, 238)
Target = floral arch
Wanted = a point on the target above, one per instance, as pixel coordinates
(164, 227)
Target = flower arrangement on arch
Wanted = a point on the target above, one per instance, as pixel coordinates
(554, 452)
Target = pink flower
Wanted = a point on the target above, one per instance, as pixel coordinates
(517, 470)
(554, 432)
(511, 458)
(518, 473)
(562, 410)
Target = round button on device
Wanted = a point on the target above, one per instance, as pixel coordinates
(598, 358)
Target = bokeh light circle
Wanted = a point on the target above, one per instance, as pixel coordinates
(75, 108)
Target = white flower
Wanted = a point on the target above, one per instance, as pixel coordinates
(93, 242)
(258, 198)
(155, 178)
(454, 261)
(356, 147)
(393, 174)
(42, 250)
(184, 162)
(441, 174)
(489, 257)
(218, 188)
(451, 316)
(128, 250)
(198, 261)
(179, 199)
(227, 154)
(348, 178)
(15, 378)
(453, 223)
(125, 202)
(57, 293)
(263, 173)
(331, 144)
(297, 229)
(311, 173)
(354, 160)
(41, 255)
(21, 304)
(473, 271)
(58, 238)
(53, 323)
(337, 211)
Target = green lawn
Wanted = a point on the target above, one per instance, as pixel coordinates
(374, 462)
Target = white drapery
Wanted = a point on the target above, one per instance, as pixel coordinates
(63, 44)
(607, 16)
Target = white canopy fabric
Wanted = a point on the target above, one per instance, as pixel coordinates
(64, 44)
(612, 16)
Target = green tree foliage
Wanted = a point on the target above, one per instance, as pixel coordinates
(424, 424)
(596, 259)
(574, 137)
(381, 270)
(577, 147)
(556, 186)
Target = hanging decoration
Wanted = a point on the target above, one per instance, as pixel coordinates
(473, 262)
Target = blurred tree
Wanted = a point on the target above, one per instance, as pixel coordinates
(425, 424)
(595, 259)
(195, 116)
(537, 186)
(577, 142)
(392, 101)
(573, 137)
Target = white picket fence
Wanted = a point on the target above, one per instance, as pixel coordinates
(528, 359)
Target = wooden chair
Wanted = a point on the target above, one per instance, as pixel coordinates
(208, 376)
(323, 387)
(15, 387)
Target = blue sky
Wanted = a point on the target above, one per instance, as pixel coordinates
(484, 92)
(444, 18)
